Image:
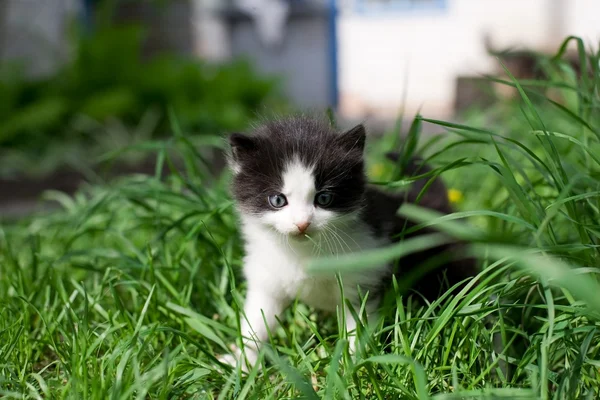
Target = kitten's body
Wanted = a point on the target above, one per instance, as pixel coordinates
(317, 174)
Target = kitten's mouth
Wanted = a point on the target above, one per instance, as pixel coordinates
(300, 236)
(304, 236)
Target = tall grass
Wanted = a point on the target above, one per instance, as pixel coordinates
(132, 289)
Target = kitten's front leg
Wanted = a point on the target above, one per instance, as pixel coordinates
(254, 327)
(351, 323)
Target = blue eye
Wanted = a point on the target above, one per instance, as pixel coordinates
(277, 200)
(324, 199)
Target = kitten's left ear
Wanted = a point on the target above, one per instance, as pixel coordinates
(354, 139)
(241, 145)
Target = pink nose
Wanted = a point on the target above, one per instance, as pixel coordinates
(303, 226)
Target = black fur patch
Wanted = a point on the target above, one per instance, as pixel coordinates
(435, 269)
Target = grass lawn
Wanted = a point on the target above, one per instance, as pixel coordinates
(133, 289)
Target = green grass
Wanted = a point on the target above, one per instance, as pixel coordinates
(132, 289)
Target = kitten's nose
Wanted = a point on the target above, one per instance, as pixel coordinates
(303, 226)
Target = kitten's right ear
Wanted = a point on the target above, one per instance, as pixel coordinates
(354, 139)
(241, 145)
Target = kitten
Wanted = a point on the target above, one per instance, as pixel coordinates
(301, 192)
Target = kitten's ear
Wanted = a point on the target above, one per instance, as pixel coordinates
(354, 139)
(241, 145)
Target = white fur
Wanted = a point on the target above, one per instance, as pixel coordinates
(299, 189)
(277, 257)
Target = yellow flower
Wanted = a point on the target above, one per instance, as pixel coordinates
(455, 196)
(377, 170)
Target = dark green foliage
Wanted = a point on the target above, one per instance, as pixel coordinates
(108, 79)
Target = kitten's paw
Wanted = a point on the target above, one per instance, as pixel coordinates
(228, 359)
(231, 359)
(248, 358)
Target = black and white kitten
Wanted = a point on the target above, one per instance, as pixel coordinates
(301, 192)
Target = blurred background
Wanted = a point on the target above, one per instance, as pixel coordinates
(84, 80)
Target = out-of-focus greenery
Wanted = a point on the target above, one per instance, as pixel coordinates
(107, 80)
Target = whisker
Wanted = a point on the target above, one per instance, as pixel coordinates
(334, 237)
(334, 232)
(350, 237)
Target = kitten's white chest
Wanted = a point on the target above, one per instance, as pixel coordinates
(280, 268)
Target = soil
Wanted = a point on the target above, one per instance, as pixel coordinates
(21, 196)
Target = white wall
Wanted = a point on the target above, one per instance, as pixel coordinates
(583, 19)
(420, 54)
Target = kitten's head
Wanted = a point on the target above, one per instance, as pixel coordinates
(298, 175)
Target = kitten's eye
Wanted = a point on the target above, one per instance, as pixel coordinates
(277, 200)
(324, 199)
